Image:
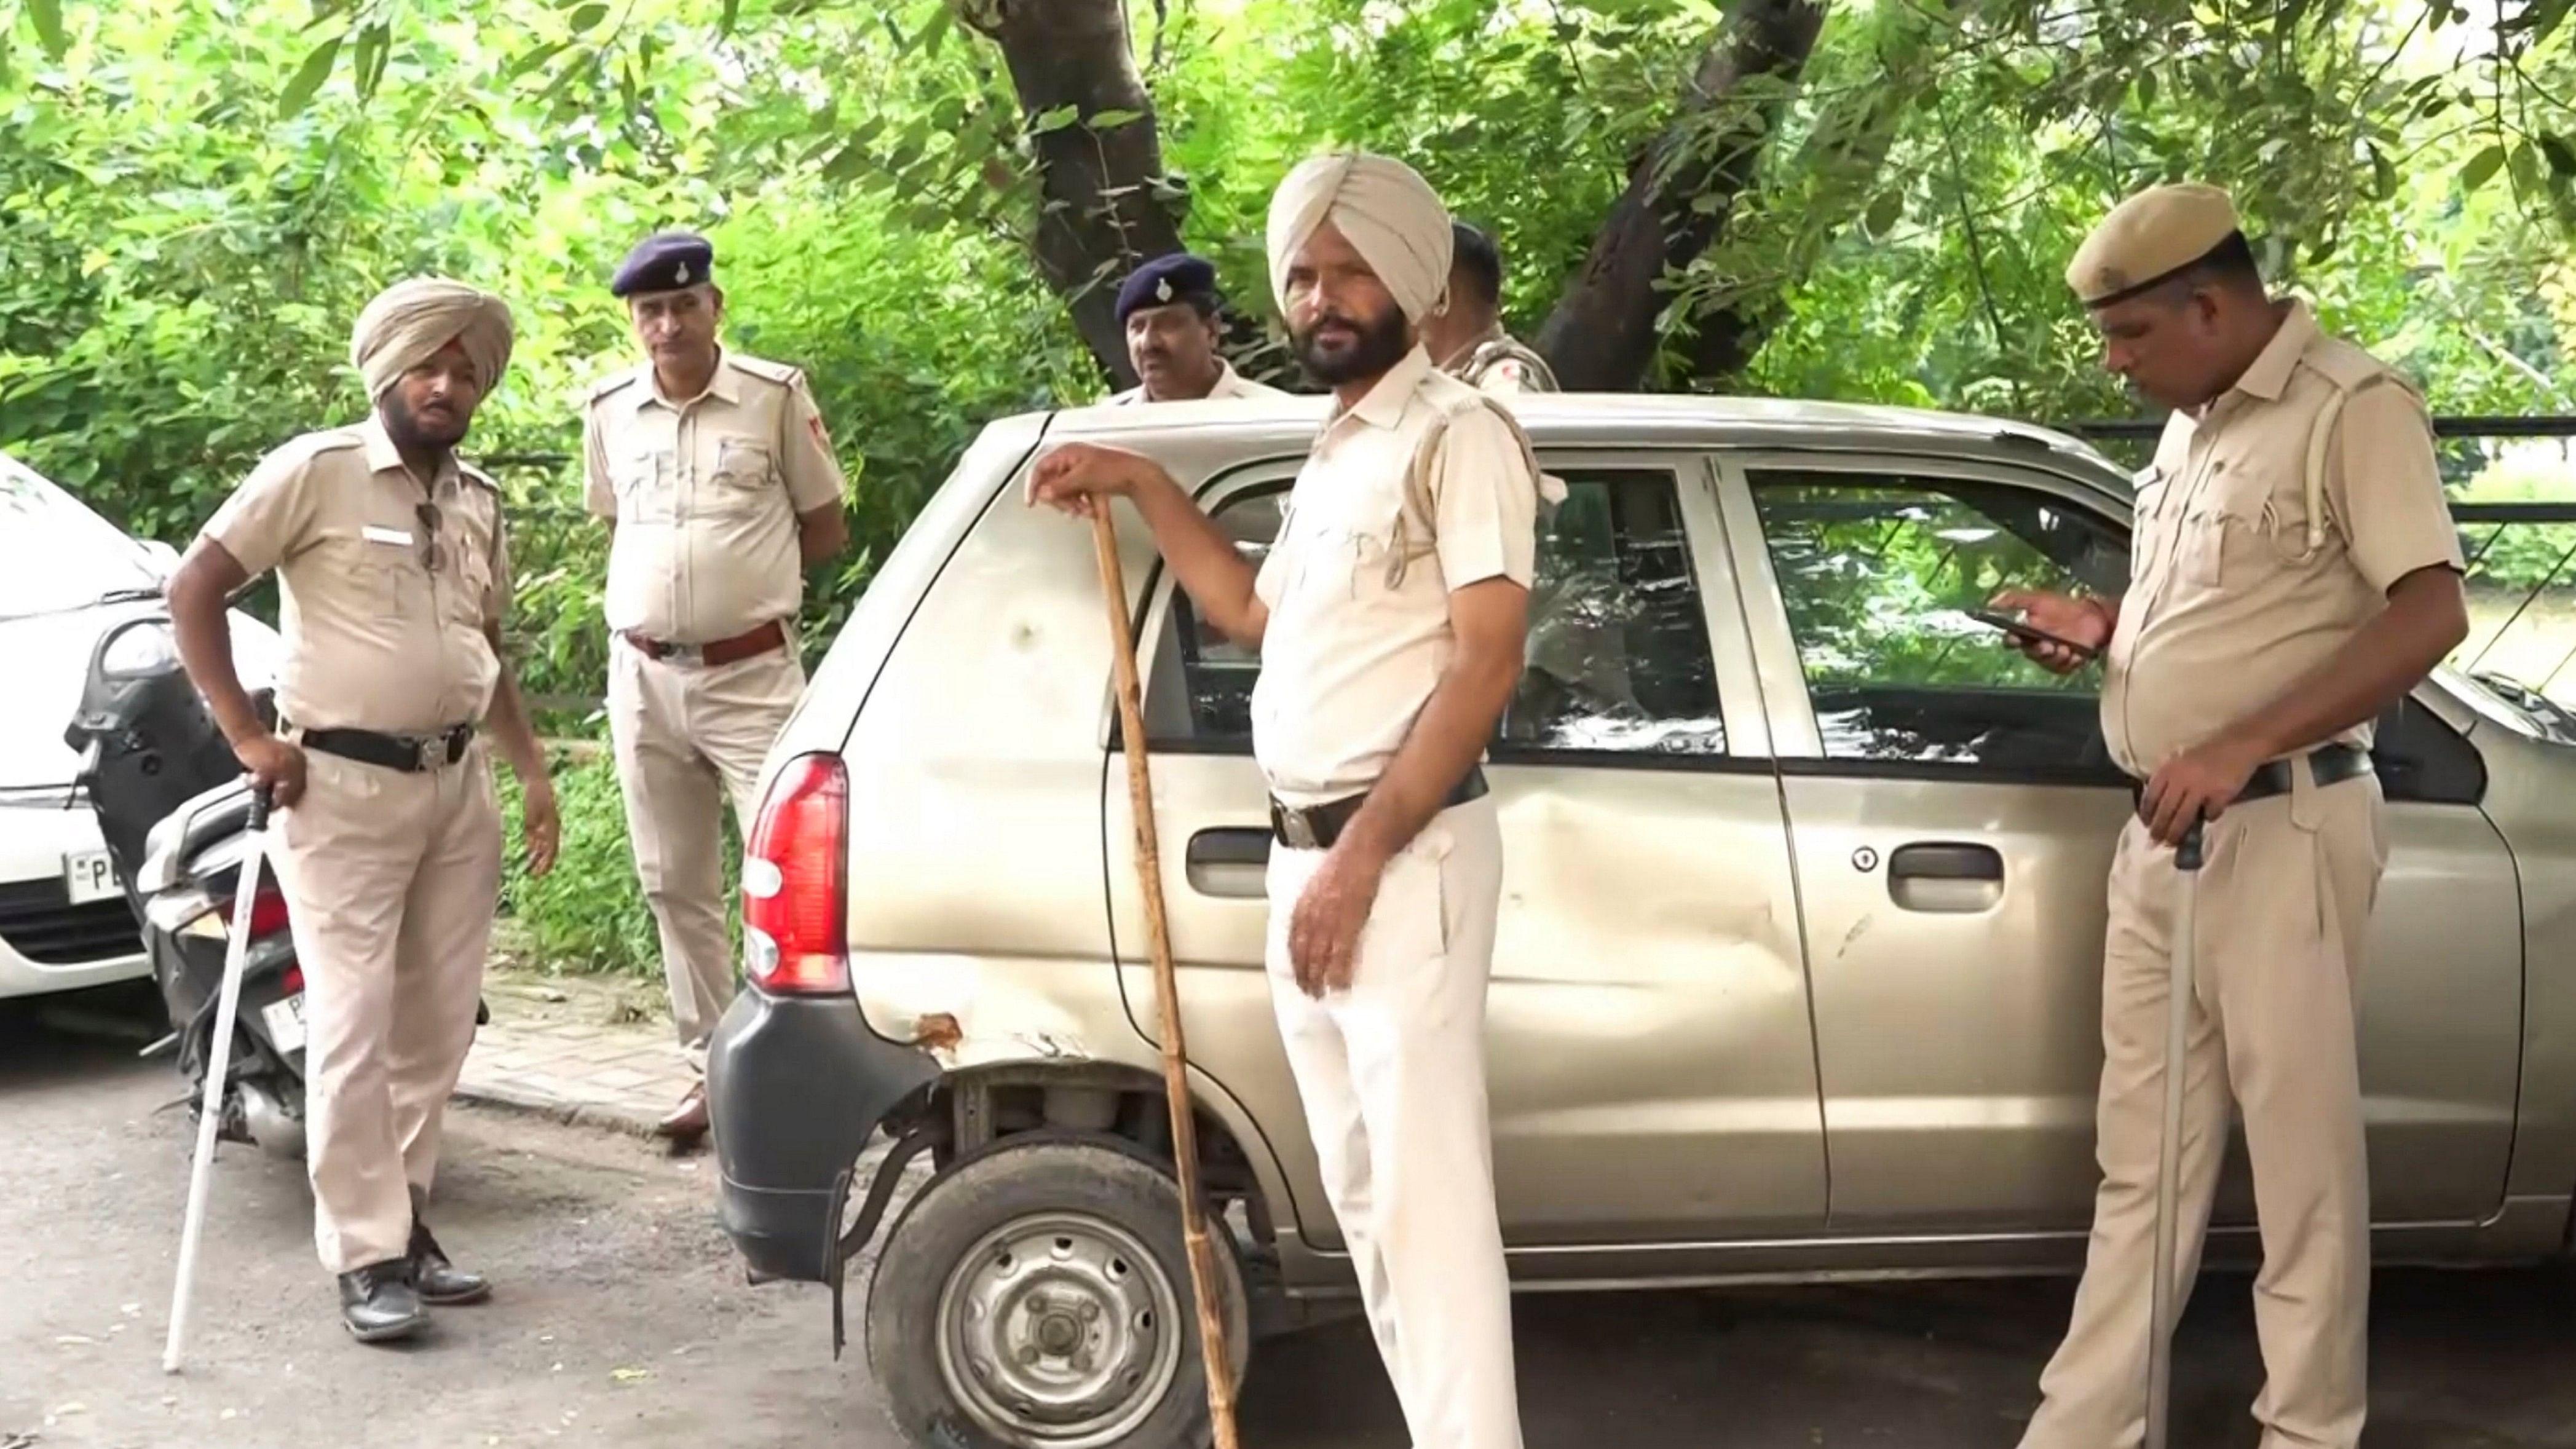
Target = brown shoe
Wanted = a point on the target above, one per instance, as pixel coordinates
(688, 1121)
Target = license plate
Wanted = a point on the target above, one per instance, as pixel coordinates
(90, 876)
(286, 1022)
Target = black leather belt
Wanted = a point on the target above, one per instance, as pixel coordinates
(2328, 765)
(1316, 827)
(411, 754)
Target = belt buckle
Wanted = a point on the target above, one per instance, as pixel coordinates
(692, 654)
(422, 761)
(1295, 830)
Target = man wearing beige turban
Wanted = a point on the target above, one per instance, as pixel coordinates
(395, 578)
(1391, 616)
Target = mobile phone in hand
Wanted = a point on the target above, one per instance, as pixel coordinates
(2022, 630)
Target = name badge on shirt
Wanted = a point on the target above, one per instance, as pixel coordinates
(395, 536)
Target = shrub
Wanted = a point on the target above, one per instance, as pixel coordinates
(588, 914)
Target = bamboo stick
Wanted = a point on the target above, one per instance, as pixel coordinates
(1167, 992)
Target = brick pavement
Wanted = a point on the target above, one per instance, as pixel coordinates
(585, 1052)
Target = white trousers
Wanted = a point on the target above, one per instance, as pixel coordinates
(1392, 1075)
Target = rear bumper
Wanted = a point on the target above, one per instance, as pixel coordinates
(795, 1087)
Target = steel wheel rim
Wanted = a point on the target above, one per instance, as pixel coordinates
(1061, 1330)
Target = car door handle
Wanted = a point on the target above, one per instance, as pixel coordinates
(1947, 862)
(1946, 879)
(1230, 862)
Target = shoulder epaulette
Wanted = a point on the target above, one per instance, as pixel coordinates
(767, 371)
(613, 382)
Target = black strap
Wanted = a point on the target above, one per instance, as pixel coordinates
(1317, 827)
(410, 754)
(2327, 764)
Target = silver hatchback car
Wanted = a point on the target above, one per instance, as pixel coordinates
(1800, 951)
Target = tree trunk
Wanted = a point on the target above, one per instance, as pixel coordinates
(1099, 213)
(1838, 168)
(1602, 336)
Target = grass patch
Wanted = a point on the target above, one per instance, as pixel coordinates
(587, 916)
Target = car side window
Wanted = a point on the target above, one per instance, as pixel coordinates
(1618, 662)
(1876, 571)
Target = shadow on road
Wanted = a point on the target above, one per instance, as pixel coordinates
(2460, 1360)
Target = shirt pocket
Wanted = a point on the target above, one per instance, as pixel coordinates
(745, 477)
(2249, 519)
(643, 480)
(368, 573)
(471, 579)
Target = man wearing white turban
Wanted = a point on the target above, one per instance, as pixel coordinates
(395, 576)
(1391, 616)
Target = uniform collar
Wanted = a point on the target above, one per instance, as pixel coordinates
(384, 457)
(1384, 405)
(724, 385)
(2269, 377)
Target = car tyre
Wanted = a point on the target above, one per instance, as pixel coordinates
(1036, 1295)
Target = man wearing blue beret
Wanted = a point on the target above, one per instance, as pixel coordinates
(1168, 307)
(719, 486)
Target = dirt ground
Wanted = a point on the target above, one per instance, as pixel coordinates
(622, 1316)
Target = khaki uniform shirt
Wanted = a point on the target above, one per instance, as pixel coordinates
(1229, 383)
(1503, 365)
(1358, 589)
(2226, 606)
(705, 494)
(379, 635)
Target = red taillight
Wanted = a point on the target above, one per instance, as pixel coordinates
(795, 899)
(267, 912)
(292, 982)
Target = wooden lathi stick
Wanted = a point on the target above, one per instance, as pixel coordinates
(1167, 990)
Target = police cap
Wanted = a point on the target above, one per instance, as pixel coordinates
(664, 262)
(2148, 238)
(1173, 277)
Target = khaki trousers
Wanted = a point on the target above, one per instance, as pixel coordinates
(2285, 899)
(391, 880)
(1392, 1075)
(687, 737)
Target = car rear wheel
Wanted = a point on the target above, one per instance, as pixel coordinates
(1037, 1296)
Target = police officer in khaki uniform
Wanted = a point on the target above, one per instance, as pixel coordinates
(2294, 572)
(1391, 616)
(1467, 337)
(396, 576)
(1169, 309)
(718, 483)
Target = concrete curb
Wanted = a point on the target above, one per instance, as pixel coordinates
(522, 1103)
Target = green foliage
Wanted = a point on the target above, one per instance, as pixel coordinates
(588, 913)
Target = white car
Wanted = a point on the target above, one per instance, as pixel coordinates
(66, 576)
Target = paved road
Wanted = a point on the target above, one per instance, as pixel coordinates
(621, 1318)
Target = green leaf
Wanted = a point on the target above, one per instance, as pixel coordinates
(534, 59)
(1885, 213)
(1055, 119)
(588, 16)
(308, 78)
(725, 19)
(2481, 168)
(370, 64)
(2383, 174)
(2561, 155)
(1108, 120)
(48, 15)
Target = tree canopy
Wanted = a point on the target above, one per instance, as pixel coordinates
(927, 203)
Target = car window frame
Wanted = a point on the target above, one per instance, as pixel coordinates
(1694, 471)
(1797, 736)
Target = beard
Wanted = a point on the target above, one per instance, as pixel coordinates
(438, 429)
(1373, 347)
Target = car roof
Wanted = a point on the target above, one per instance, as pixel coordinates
(1619, 420)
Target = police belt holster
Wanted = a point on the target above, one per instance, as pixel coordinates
(749, 645)
(2327, 765)
(411, 754)
(1316, 827)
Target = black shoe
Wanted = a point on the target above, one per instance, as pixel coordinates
(440, 1283)
(378, 1304)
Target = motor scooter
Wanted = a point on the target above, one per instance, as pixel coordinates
(173, 809)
